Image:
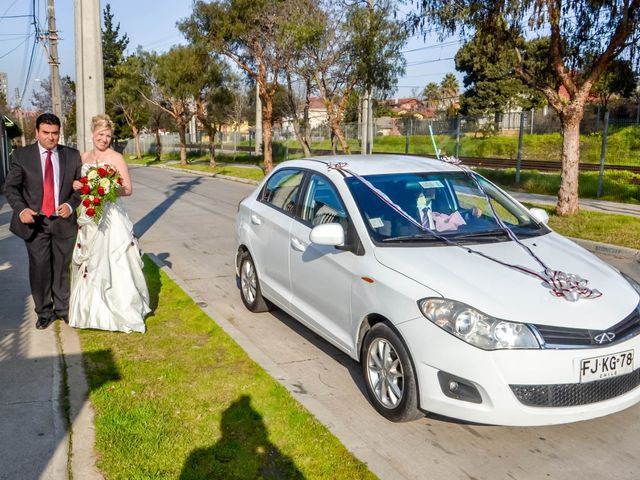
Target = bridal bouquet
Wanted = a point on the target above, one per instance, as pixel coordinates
(100, 185)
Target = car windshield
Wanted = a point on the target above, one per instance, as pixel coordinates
(447, 203)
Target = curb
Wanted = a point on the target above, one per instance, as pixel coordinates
(82, 456)
(608, 249)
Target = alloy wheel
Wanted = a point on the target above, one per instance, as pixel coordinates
(384, 370)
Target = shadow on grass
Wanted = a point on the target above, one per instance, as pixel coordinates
(152, 276)
(244, 451)
(102, 366)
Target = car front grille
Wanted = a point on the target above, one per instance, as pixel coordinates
(574, 394)
(561, 337)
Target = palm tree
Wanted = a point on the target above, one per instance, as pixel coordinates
(431, 94)
(449, 88)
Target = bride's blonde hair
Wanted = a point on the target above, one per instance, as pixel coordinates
(101, 121)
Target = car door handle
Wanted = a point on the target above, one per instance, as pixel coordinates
(298, 245)
(255, 219)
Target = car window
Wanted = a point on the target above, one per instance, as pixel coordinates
(322, 203)
(282, 189)
(447, 203)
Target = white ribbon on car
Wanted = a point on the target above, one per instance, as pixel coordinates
(571, 287)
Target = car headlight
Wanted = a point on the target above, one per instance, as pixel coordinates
(632, 282)
(476, 328)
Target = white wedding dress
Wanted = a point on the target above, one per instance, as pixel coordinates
(108, 289)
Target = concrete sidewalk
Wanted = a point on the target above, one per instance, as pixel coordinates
(585, 204)
(39, 440)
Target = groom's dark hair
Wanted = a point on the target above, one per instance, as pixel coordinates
(48, 119)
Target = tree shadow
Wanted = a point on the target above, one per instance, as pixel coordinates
(146, 222)
(243, 451)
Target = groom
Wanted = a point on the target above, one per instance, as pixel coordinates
(39, 189)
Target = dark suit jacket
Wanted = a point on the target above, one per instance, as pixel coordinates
(23, 188)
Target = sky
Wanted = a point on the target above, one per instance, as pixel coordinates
(152, 25)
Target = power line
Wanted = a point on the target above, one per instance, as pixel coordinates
(429, 61)
(16, 47)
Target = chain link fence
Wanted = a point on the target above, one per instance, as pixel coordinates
(528, 136)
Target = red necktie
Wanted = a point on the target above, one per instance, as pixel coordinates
(48, 197)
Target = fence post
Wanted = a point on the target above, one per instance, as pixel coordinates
(603, 152)
(457, 136)
(531, 124)
(286, 143)
(520, 139)
(406, 136)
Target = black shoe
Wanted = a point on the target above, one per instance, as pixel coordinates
(44, 322)
(64, 317)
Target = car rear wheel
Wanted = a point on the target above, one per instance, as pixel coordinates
(250, 286)
(389, 375)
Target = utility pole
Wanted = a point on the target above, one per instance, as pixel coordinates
(89, 68)
(20, 117)
(367, 108)
(258, 145)
(54, 62)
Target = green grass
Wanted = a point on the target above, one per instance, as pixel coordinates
(184, 401)
(623, 146)
(622, 230)
(617, 186)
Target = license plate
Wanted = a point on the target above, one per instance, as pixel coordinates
(598, 368)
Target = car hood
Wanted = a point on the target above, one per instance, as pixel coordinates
(507, 293)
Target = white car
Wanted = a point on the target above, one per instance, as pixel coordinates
(453, 304)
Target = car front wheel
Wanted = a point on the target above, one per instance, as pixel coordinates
(250, 286)
(389, 375)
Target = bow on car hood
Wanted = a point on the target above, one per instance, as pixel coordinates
(511, 295)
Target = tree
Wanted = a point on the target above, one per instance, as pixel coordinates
(41, 101)
(176, 83)
(491, 84)
(256, 36)
(431, 95)
(126, 95)
(214, 102)
(113, 47)
(617, 79)
(584, 38)
(357, 48)
(449, 88)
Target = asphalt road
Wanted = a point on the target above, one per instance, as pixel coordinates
(188, 221)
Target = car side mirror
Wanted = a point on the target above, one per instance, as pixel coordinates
(540, 215)
(327, 234)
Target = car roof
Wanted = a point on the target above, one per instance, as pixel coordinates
(374, 164)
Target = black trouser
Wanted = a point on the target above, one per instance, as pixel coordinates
(50, 268)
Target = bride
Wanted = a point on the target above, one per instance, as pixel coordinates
(108, 289)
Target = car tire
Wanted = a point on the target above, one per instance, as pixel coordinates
(389, 375)
(250, 290)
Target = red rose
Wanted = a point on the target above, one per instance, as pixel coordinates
(84, 180)
(100, 191)
(86, 202)
(91, 212)
(102, 172)
(119, 181)
(85, 189)
(96, 201)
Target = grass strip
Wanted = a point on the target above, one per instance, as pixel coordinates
(184, 401)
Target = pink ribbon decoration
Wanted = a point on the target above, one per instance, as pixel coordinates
(571, 287)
